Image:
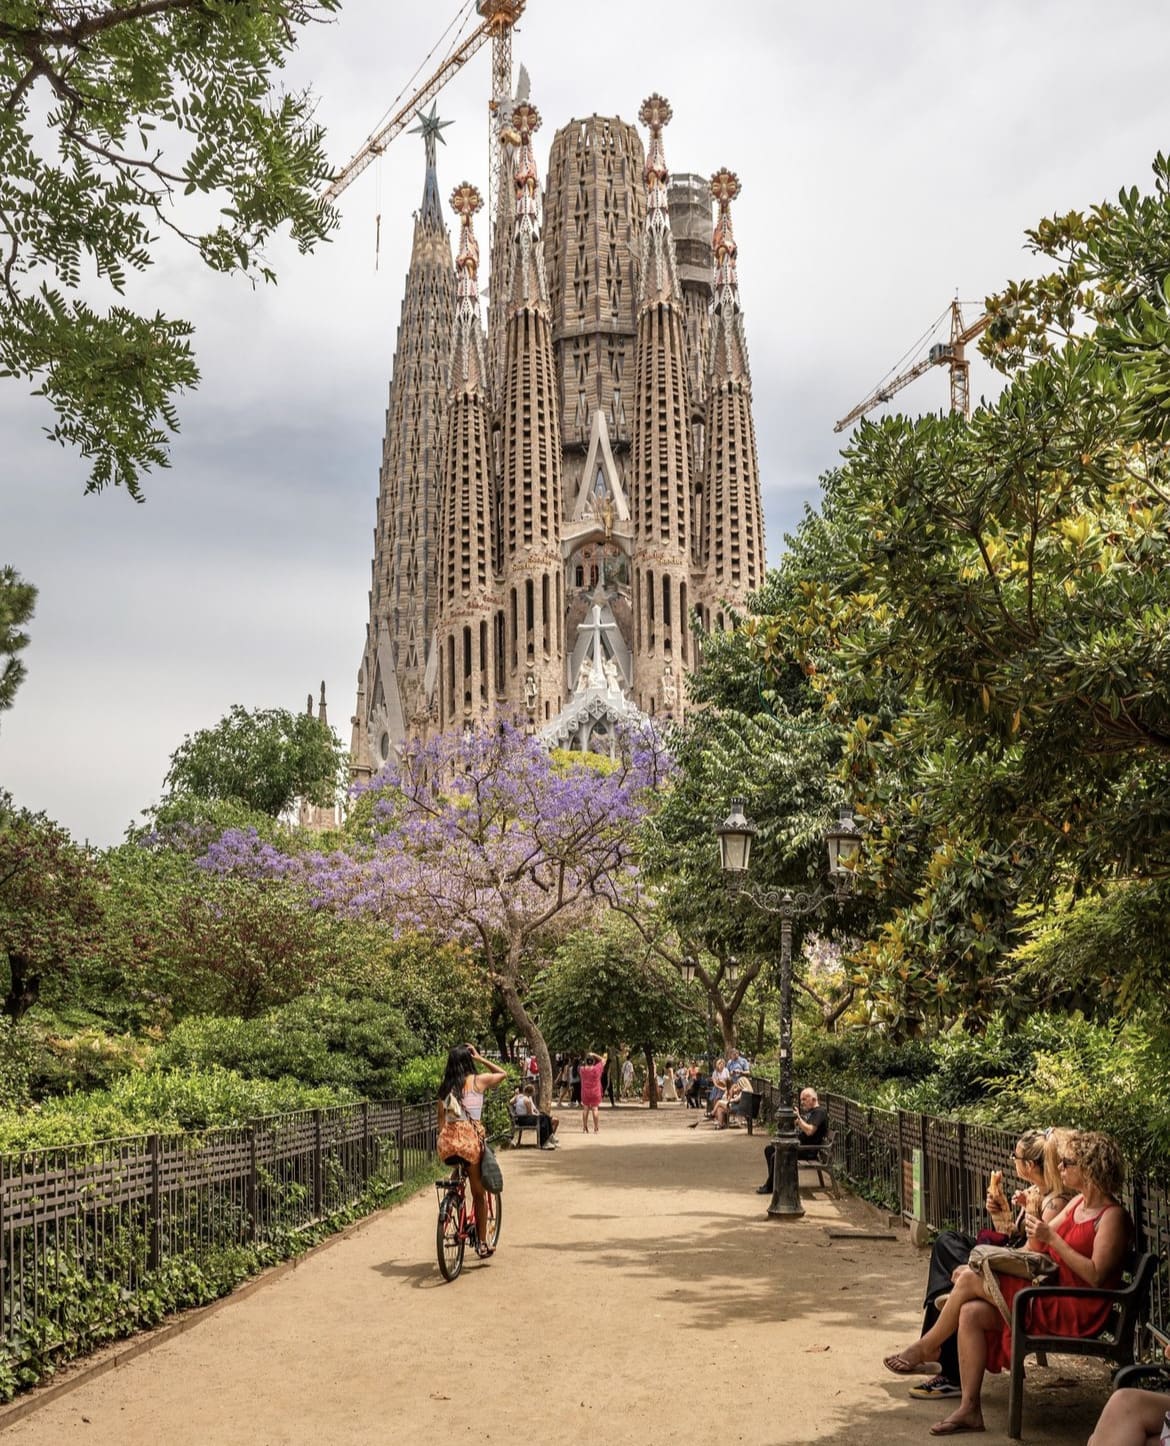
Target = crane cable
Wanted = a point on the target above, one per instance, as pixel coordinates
(912, 350)
(460, 19)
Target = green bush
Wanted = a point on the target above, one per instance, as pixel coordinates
(159, 1102)
(322, 1039)
(19, 1048)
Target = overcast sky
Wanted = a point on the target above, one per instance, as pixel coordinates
(891, 156)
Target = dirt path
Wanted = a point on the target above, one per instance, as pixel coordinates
(640, 1295)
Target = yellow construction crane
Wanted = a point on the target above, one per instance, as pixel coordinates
(951, 353)
(498, 19)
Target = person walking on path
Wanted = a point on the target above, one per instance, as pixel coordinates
(591, 1089)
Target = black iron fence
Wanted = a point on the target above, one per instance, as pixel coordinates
(97, 1240)
(937, 1169)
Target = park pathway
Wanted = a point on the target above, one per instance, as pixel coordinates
(640, 1295)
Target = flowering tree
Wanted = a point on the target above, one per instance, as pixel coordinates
(485, 836)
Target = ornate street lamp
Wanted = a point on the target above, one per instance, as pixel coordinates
(687, 968)
(735, 845)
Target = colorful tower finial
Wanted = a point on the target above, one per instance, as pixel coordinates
(659, 275)
(468, 367)
(656, 113)
(527, 265)
(431, 128)
(725, 188)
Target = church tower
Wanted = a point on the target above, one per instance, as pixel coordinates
(560, 494)
(467, 646)
(661, 489)
(393, 680)
(733, 523)
(530, 452)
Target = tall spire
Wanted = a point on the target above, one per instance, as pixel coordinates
(468, 365)
(530, 457)
(662, 492)
(468, 629)
(528, 286)
(733, 522)
(431, 128)
(659, 281)
(728, 351)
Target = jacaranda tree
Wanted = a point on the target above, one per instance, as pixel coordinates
(483, 836)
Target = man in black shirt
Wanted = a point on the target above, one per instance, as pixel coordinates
(812, 1124)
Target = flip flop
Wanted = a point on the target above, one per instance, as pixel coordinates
(954, 1428)
(902, 1367)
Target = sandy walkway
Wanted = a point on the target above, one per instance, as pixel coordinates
(640, 1296)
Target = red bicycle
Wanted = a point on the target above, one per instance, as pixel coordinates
(456, 1225)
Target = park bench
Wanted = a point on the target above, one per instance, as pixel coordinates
(820, 1159)
(520, 1123)
(1114, 1343)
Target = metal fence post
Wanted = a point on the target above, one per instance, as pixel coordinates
(318, 1166)
(965, 1221)
(253, 1185)
(365, 1144)
(401, 1142)
(928, 1191)
(154, 1223)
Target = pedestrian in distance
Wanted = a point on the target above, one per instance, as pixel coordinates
(591, 1089)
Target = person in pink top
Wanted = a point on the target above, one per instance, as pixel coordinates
(591, 1089)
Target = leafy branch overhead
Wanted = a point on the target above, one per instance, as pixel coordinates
(120, 122)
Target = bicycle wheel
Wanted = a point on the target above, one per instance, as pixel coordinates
(495, 1218)
(449, 1242)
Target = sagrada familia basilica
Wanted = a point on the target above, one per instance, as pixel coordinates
(563, 495)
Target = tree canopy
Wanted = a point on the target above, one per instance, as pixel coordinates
(17, 600)
(264, 759)
(120, 121)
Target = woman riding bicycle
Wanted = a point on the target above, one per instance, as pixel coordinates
(461, 1133)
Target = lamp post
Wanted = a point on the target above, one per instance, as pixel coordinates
(735, 845)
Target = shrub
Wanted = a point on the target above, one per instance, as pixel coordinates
(159, 1102)
(18, 1054)
(321, 1039)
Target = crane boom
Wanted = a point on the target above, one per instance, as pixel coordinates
(398, 122)
(952, 354)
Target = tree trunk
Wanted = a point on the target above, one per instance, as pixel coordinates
(651, 1077)
(759, 1035)
(726, 1019)
(527, 1027)
(24, 986)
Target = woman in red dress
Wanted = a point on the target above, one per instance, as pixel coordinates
(1089, 1240)
(591, 1089)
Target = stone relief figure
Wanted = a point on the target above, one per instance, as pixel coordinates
(530, 692)
(669, 688)
(612, 678)
(584, 675)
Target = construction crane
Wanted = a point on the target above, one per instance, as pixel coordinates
(499, 18)
(951, 353)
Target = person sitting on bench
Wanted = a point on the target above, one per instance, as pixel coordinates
(812, 1124)
(524, 1103)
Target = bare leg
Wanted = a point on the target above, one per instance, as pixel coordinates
(1131, 1418)
(479, 1197)
(976, 1318)
(969, 1286)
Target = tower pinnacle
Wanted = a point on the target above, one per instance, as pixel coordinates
(659, 282)
(468, 365)
(431, 128)
(528, 284)
(728, 348)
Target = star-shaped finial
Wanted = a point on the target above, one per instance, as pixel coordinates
(430, 126)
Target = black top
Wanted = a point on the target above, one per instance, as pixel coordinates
(818, 1117)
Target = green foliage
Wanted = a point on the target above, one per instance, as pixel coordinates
(263, 759)
(112, 114)
(159, 1102)
(1048, 1069)
(319, 1039)
(50, 905)
(606, 986)
(19, 1052)
(17, 600)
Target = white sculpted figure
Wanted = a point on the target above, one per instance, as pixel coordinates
(669, 690)
(610, 668)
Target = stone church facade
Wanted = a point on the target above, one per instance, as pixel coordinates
(561, 499)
